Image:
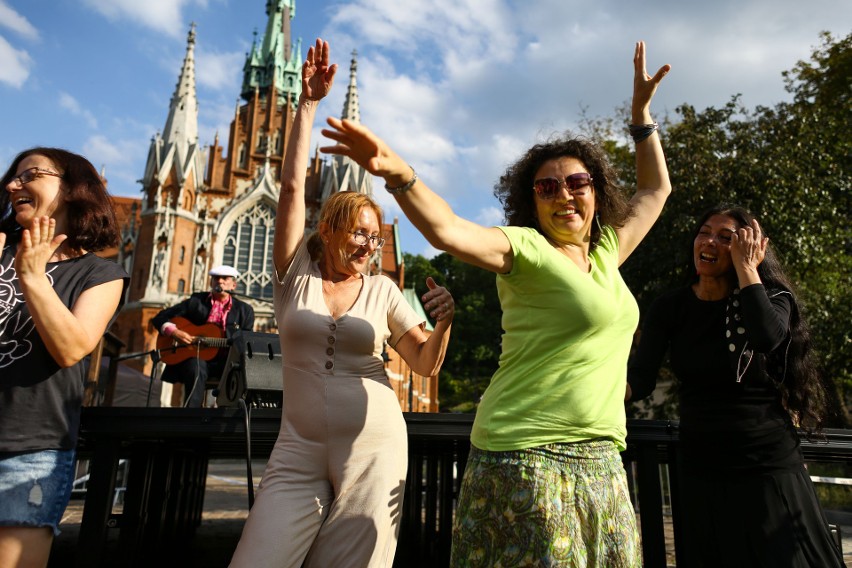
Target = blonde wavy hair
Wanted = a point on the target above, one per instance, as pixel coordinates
(340, 212)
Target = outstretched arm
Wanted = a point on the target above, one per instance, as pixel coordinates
(68, 334)
(652, 175)
(317, 79)
(486, 247)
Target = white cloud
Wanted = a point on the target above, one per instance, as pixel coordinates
(14, 64)
(71, 104)
(15, 22)
(100, 150)
(164, 16)
(490, 216)
(219, 71)
(118, 159)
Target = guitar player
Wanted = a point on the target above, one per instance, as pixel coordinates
(225, 312)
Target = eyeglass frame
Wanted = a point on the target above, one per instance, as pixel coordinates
(18, 182)
(570, 183)
(360, 235)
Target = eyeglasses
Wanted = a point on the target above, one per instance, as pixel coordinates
(29, 175)
(548, 188)
(361, 239)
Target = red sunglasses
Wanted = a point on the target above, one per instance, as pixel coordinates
(547, 188)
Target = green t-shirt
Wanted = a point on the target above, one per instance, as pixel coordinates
(566, 339)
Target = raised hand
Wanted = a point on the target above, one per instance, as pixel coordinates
(317, 74)
(644, 86)
(368, 150)
(748, 247)
(38, 244)
(438, 301)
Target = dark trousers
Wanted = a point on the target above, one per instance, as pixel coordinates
(194, 374)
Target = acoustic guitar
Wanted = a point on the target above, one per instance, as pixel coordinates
(209, 341)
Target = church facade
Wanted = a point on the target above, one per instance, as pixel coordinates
(204, 206)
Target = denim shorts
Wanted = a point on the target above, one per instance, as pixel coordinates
(35, 487)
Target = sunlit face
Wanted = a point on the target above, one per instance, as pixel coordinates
(41, 196)
(352, 258)
(712, 247)
(568, 217)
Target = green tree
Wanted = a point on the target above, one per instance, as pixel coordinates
(789, 164)
(475, 341)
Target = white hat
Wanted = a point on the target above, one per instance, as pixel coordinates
(224, 270)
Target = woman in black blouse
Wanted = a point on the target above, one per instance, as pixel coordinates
(741, 353)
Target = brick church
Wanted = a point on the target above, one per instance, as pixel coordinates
(204, 206)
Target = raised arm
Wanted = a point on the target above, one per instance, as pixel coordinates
(652, 176)
(317, 79)
(486, 247)
(68, 334)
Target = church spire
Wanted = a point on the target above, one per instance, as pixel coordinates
(273, 61)
(182, 123)
(350, 104)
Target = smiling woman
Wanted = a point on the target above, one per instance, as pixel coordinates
(58, 298)
(550, 425)
(333, 487)
(740, 350)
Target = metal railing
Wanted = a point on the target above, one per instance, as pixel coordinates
(169, 449)
(438, 449)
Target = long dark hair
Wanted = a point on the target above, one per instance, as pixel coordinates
(91, 218)
(515, 188)
(803, 392)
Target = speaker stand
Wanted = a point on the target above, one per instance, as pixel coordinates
(250, 478)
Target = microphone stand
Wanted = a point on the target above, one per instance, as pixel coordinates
(155, 357)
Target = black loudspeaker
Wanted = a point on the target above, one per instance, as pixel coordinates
(253, 371)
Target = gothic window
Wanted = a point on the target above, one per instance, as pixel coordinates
(182, 255)
(242, 156)
(188, 198)
(261, 139)
(276, 141)
(181, 286)
(248, 248)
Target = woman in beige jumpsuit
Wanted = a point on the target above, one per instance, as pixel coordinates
(332, 492)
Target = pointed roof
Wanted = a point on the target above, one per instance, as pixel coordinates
(182, 123)
(272, 61)
(177, 147)
(342, 173)
(350, 104)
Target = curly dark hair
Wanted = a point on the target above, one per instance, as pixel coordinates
(515, 188)
(91, 218)
(804, 394)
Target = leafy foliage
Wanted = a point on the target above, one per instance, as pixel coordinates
(475, 341)
(789, 165)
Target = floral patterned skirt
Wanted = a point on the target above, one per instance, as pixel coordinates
(555, 505)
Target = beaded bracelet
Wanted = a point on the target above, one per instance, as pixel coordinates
(641, 131)
(404, 187)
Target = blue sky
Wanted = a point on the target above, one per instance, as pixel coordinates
(458, 87)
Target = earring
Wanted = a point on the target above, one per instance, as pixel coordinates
(598, 221)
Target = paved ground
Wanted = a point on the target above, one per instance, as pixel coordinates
(225, 510)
